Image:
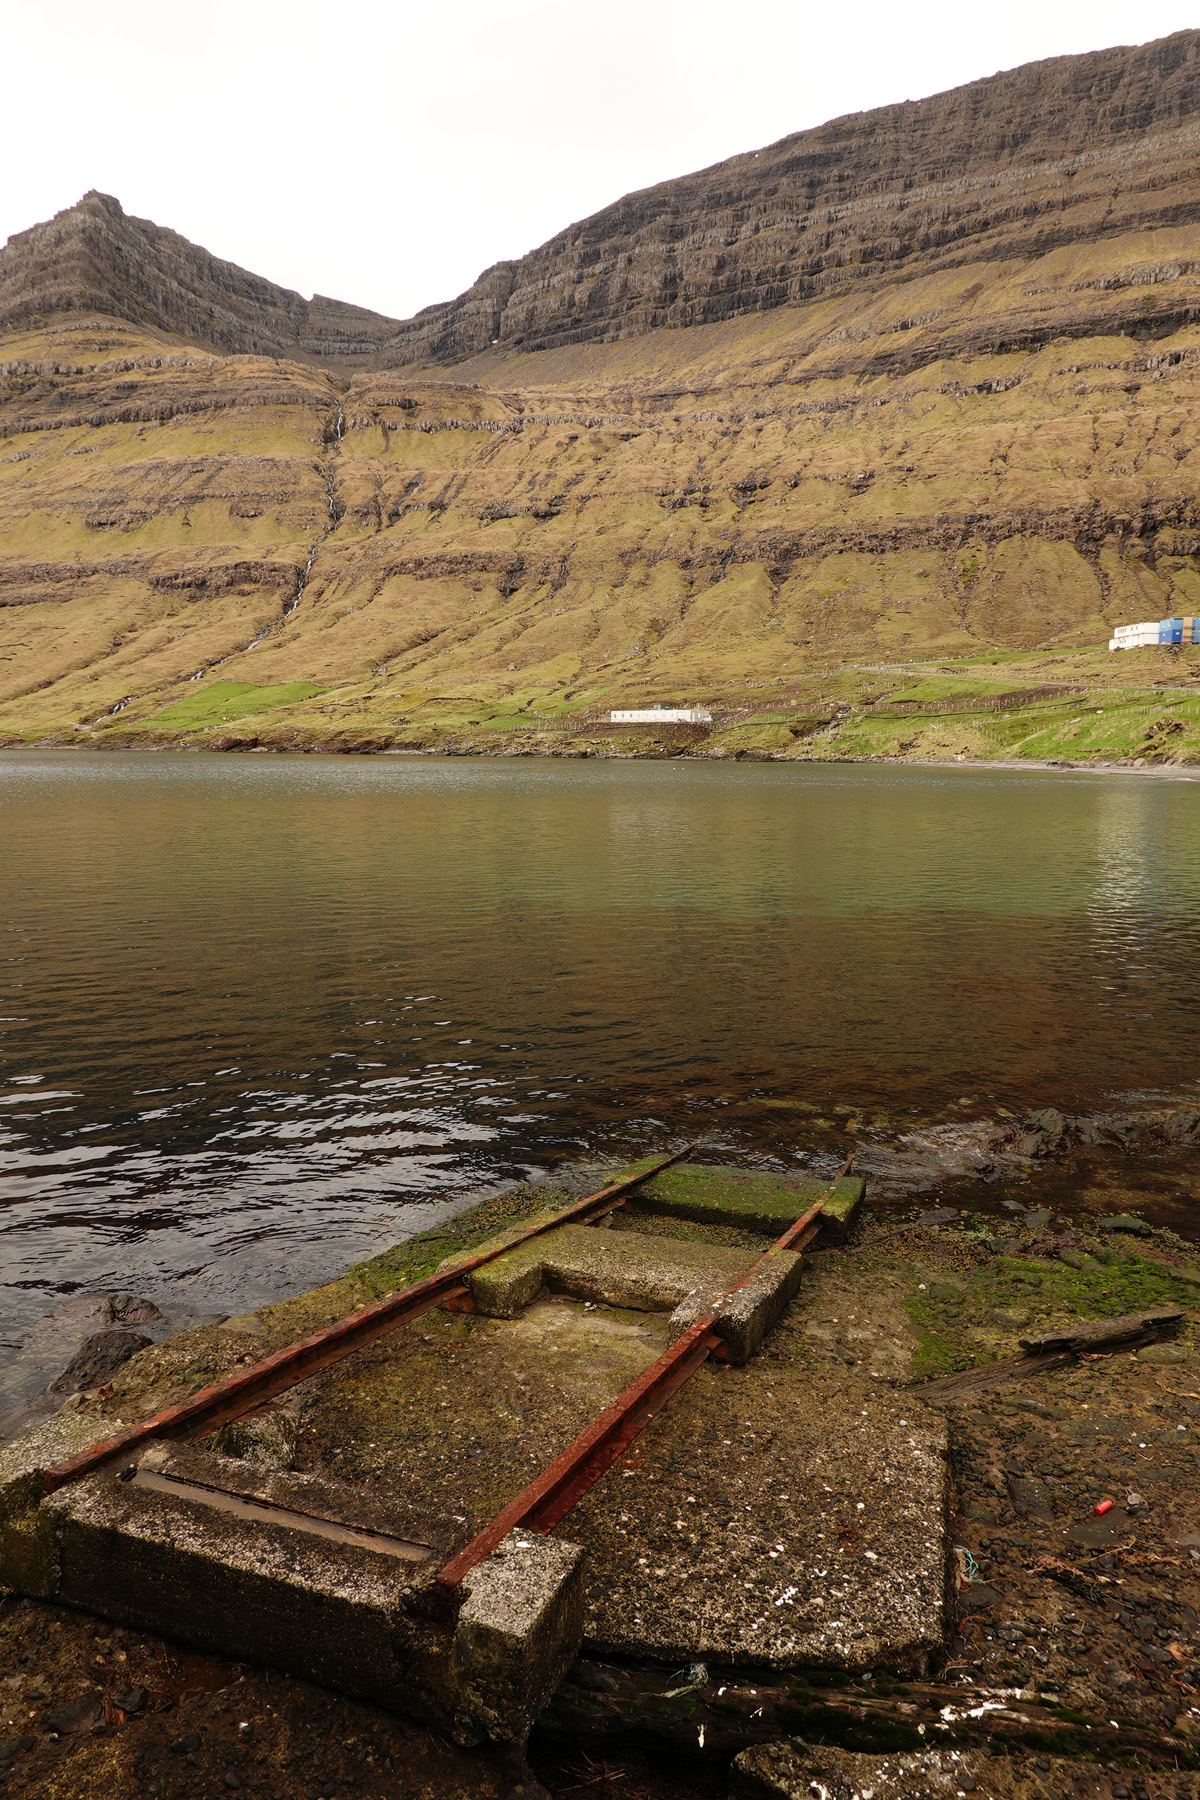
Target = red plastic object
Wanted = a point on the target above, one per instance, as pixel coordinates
(1104, 1506)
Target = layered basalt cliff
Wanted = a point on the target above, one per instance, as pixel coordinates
(1061, 152)
(1052, 153)
(95, 258)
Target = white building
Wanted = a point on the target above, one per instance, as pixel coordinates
(663, 715)
(1155, 631)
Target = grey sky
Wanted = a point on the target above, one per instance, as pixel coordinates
(386, 153)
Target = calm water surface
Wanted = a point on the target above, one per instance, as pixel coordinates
(261, 1016)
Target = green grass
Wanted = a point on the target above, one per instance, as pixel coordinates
(222, 700)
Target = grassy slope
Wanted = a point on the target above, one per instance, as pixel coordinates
(774, 516)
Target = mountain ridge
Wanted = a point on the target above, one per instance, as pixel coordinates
(94, 256)
(994, 169)
(973, 439)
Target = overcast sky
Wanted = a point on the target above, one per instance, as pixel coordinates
(386, 152)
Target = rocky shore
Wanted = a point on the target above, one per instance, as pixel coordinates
(1069, 1655)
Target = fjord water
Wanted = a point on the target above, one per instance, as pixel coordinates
(264, 1015)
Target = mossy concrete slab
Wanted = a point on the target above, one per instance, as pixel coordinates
(756, 1199)
(773, 1516)
(773, 1513)
(648, 1274)
(471, 1407)
(619, 1268)
(780, 1513)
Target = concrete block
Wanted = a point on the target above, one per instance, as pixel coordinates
(519, 1630)
(166, 1551)
(840, 1211)
(619, 1268)
(318, 1578)
(750, 1312)
(755, 1199)
(27, 1551)
(503, 1288)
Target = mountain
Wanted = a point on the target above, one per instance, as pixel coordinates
(1057, 152)
(94, 258)
(919, 387)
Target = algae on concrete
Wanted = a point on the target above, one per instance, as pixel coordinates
(757, 1199)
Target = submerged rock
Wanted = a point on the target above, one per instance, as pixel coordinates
(97, 1359)
(81, 1344)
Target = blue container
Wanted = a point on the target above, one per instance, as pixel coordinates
(1170, 631)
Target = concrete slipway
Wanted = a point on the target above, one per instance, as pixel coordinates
(771, 1516)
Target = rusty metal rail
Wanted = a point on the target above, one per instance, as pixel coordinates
(242, 1392)
(550, 1496)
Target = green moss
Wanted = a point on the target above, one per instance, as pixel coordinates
(1050, 1292)
(753, 1199)
(420, 1256)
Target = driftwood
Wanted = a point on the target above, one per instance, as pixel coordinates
(1055, 1349)
(990, 1375)
(703, 1712)
(1107, 1334)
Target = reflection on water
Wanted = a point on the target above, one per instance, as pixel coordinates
(261, 1016)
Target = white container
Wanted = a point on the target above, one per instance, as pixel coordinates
(1135, 637)
(663, 715)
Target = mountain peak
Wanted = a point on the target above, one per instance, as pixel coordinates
(1053, 153)
(95, 257)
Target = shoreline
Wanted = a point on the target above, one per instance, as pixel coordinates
(1165, 771)
(939, 1341)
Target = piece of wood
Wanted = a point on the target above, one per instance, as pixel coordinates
(1056, 1349)
(1102, 1334)
(991, 1375)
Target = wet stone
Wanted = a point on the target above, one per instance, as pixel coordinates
(97, 1360)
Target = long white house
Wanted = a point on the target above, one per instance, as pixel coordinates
(1155, 631)
(663, 715)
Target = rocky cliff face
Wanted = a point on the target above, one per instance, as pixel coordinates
(1055, 153)
(94, 258)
